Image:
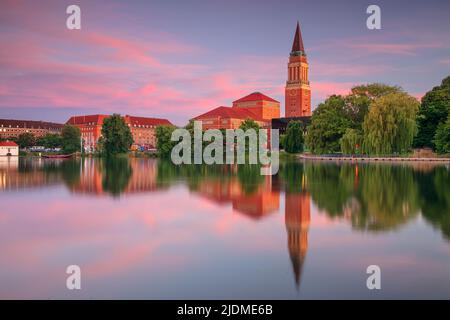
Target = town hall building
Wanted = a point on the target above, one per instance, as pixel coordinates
(264, 110)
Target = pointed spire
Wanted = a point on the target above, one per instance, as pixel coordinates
(297, 45)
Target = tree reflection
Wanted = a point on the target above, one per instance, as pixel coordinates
(116, 174)
(373, 197)
(388, 196)
(435, 197)
(331, 186)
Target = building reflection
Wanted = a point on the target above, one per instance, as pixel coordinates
(297, 219)
(258, 203)
(121, 176)
(16, 175)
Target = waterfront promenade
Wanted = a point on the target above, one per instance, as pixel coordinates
(375, 159)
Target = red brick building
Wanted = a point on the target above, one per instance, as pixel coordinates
(298, 91)
(255, 106)
(262, 106)
(90, 127)
(142, 129)
(13, 128)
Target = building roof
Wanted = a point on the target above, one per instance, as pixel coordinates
(255, 96)
(31, 124)
(98, 119)
(93, 118)
(147, 121)
(229, 112)
(8, 144)
(297, 45)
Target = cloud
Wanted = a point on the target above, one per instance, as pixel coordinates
(322, 90)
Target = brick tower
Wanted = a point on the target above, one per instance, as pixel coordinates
(297, 91)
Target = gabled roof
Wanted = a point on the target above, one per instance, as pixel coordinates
(31, 124)
(255, 96)
(228, 112)
(8, 144)
(93, 118)
(147, 121)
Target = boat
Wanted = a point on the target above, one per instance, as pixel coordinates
(57, 156)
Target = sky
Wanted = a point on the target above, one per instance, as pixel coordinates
(178, 59)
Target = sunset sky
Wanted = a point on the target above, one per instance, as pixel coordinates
(177, 59)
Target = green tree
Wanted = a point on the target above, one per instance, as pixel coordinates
(117, 135)
(390, 125)
(282, 141)
(249, 124)
(358, 101)
(374, 90)
(434, 109)
(163, 143)
(70, 139)
(293, 143)
(442, 137)
(351, 141)
(328, 124)
(25, 140)
(50, 140)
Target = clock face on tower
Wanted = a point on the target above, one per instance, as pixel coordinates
(293, 92)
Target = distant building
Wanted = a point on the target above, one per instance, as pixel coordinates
(255, 106)
(9, 148)
(90, 127)
(297, 90)
(142, 129)
(10, 128)
(262, 106)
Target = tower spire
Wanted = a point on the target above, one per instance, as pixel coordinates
(297, 45)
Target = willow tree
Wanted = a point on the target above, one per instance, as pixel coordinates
(351, 141)
(390, 125)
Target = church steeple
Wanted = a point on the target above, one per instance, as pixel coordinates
(297, 45)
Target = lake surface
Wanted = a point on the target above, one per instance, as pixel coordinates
(143, 228)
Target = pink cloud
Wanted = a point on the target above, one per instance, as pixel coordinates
(393, 48)
(347, 70)
(322, 90)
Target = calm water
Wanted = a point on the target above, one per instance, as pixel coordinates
(142, 228)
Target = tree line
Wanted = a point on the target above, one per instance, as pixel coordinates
(68, 141)
(378, 119)
(116, 138)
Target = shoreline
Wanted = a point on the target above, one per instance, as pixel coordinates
(374, 159)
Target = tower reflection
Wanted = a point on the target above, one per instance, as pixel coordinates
(297, 219)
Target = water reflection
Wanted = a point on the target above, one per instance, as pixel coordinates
(371, 198)
(297, 218)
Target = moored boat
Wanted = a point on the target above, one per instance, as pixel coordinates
(57, 156)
